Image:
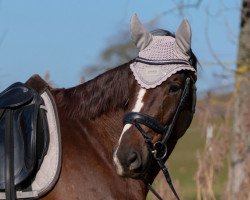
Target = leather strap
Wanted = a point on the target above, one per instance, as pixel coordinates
(167, 177)
(141, 118)
(159, 149)
(9, 158)
(154, 192)
(182, 101)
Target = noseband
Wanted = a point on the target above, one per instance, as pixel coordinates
(159, 149)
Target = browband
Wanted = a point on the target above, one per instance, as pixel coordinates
(162, 62)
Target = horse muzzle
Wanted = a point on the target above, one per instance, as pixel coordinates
(131, 163)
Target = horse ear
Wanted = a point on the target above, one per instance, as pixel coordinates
(183, 36)
(140, 36)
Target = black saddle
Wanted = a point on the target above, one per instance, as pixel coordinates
(24, 137)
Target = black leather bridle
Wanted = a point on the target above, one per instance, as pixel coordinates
(159, 149)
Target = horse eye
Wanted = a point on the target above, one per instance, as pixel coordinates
(174, 88)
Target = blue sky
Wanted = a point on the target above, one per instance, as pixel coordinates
(64, 36)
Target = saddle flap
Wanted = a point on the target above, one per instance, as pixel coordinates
(15, 95)
(23, 143)
(29, 129)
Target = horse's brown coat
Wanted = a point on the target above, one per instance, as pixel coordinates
(91, 123)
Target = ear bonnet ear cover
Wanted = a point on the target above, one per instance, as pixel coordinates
(160, 56)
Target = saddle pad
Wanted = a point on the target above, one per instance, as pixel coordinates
(49, 171)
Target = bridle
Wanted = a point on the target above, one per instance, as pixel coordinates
(159, 149)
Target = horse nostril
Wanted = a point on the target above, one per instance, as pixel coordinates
(132, 158)
(134, 161)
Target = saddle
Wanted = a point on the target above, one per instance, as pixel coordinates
(24, 138)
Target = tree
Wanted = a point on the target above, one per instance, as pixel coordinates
(121, 49)
(239, 177)
(117, 53)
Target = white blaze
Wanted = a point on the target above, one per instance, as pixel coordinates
(138, 106)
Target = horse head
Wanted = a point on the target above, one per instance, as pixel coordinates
(166, 72)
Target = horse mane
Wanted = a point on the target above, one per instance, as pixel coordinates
(107, 92)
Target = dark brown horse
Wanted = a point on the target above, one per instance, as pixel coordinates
(93, 134)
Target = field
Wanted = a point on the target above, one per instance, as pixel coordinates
(183, 163)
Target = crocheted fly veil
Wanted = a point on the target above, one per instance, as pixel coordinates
(160, 56)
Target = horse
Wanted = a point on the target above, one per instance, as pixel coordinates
(92, 127)
(101, 157)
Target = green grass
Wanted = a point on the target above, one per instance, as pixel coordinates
(183, 165)
(183, 161)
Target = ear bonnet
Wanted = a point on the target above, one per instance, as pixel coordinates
(160, 56)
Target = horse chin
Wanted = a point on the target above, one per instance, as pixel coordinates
(138, 174)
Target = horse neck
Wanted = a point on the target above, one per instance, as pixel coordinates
(102, 95)
(101, 101)
(101, 104)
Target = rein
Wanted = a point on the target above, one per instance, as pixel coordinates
(159, 149)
